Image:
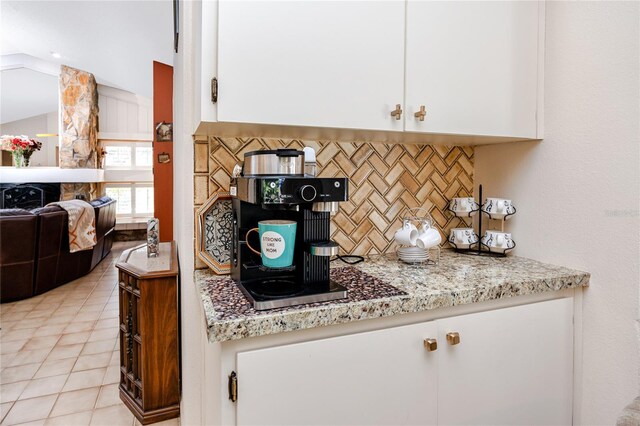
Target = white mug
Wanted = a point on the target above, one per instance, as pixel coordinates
(498, 208)
(463, 205)
(407, 235)
(428, 238)
(462, 237)
(498, 241)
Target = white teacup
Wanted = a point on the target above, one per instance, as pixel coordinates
(428, 237)
(462, 237)
(407, 235)
(498, 208)
(498, 241)
(462, 206)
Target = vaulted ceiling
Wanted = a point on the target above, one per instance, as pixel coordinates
(117, 41)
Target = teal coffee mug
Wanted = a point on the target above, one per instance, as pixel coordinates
(277, 241)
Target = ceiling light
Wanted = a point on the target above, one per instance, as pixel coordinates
(56, 55)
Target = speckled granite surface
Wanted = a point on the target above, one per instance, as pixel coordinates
(458, 279)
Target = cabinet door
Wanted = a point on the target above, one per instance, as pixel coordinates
(474, 66)
(512, 366)
(383, 377)
(311, 63)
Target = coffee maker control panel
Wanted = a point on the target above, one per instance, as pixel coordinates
(289, 190)
(308, 193)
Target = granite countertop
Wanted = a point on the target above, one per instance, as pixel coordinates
(381, 286)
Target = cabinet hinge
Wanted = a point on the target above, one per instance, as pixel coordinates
(233, 386)
(214, 90)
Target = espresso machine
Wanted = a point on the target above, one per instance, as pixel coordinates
(273, 185)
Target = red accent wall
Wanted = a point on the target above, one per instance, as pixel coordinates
(163, 173)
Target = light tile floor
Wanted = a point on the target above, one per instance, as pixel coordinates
(59, 354)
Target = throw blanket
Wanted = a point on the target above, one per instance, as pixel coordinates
(82, 224)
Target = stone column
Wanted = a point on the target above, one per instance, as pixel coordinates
(78, 127)
(71, 191)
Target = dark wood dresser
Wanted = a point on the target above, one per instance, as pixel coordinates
(149, 340)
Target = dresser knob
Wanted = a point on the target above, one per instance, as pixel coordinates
(430, 344)
(453, 338)
(421, 114)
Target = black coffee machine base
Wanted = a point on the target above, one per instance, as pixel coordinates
(280, 293)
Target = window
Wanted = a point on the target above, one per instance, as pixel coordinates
(134, 195)
(118, 156)
(128, 155)
(134, 199)
(144, 200)
(144, 156)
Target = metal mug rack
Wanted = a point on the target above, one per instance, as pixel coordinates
(478, 248)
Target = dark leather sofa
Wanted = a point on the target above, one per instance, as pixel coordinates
(34, 249)
(18, 230)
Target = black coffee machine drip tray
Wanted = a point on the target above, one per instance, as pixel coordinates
(282, 292)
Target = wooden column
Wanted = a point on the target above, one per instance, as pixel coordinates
(163, 172)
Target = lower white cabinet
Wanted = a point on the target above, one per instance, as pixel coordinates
(513, 366)
(510, 366)
(382, 377)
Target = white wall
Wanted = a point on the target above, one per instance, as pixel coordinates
(124, 115)
(578, 191)
(44, 123)
(195, 399)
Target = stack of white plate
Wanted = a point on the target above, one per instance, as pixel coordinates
(413, 254)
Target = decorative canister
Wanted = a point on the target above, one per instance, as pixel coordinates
(153, 237)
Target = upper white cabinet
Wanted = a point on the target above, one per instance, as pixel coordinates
(473, 66)
(311, 63)
(332, 69)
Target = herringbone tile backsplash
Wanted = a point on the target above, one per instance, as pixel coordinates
(384, 180)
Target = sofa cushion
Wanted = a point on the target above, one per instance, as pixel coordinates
(15, 212)
(101, 201)
(105, 209)
(17, 254)
(47, 209)
(17, 237)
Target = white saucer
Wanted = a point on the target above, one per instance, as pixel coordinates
(412, 250)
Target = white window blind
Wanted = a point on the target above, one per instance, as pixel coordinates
(128, 155)
(134, 199)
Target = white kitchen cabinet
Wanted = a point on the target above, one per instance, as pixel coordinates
(475, 67)
(311, 63)
(382, 377)
(512, 366)
(315, 69)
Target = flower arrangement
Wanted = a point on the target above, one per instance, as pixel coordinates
(21, 147)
